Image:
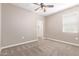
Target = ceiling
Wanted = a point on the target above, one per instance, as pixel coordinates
(57, 7)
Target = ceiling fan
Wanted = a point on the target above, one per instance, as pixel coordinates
(43, 6)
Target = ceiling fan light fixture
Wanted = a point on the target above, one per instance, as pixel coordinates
(43, 6)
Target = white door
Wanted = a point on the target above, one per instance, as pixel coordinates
(40, 28)
(0, 27)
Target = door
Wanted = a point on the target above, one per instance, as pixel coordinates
(40, 29)
(0, 28)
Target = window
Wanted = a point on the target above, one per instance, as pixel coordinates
(70, 22)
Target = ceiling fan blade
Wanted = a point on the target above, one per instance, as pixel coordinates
(50, 5)
(37, 8)
(36, 4)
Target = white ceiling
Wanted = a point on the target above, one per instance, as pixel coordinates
(57, 7)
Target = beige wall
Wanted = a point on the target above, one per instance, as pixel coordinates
(16, 23)
(53, 26)
(0, 24)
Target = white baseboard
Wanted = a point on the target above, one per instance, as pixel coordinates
(74, 44)
(18, 44)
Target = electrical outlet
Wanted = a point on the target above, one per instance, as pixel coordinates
(22, 37)
(76, 38)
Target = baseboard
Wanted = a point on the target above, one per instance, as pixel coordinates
(74, 44)
(18, 44)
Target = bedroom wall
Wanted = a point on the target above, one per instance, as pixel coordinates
(18, 25)
(54, 27)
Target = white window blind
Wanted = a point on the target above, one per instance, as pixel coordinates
(70, 22)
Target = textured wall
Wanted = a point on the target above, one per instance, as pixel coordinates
(54, 27)
(17, 23)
